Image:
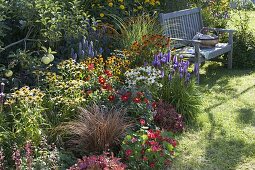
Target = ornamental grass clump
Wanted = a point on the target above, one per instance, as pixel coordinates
(95, 129)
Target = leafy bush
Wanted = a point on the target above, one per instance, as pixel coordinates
(24, 115)
(214, 12)
(95, 129)
(148, 149)
(104, 161)
(123, 8)
(244, 44)
(167, 118)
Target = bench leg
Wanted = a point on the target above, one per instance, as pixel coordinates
(230, 54)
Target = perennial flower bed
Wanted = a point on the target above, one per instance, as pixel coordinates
(92, 103)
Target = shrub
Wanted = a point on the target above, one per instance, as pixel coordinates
(148, 149)
(104, 161)
(244, 44)
(214, 12)
(167, 118)
(95, 129)
(25, 118)
(123, 8)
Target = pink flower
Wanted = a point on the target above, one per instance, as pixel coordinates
(133, 140)
(128, 152)
(142, 122)
(152, 164)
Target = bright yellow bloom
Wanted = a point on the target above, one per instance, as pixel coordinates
(110, 4)
(101, 15)
(122, 7)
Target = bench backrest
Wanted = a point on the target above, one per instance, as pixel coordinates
(182, 24)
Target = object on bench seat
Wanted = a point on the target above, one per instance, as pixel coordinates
(182, 26)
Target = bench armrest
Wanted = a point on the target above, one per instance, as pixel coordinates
(186, 42)
(217, 30)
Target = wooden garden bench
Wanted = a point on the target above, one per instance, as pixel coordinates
(182, 26)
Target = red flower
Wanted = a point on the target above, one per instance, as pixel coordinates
(111, 98)
(128, 152)
(154, 105)
(152, 164)
(174, 143)
(108, 73)
(89, 92)
(137, 100)
(107, 87)
(142, 122)
(101, 80)
(145, 158)
(155, 148)
(151, 135)
(146, 100)
(139, 94)
(90, 67)
(124, 98)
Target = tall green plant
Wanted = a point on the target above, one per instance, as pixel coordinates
(244, 43)
(135, 28)
(25, 119)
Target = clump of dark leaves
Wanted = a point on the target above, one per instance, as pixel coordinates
(101, 162)
(167, 117)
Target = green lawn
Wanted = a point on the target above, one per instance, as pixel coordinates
(225, 137)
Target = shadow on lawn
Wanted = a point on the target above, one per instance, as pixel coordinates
(217, 74)
(246, 115)
(225, 152)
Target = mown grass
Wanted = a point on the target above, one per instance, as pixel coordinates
(225, 135)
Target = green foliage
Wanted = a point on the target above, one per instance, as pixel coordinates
(244, 43)
(123, 8)
(183, 96)
(215, 12)
(24, 117)
(135, 28)
(59, 21)
(148, 149)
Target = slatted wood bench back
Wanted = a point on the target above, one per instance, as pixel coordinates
(182, 24)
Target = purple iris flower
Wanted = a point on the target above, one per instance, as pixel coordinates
(188, 77)
(163, 60)
(170, 77)
(175, 60)
(181, 56)
(162, 73)
(168, 56)
(181, 75)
